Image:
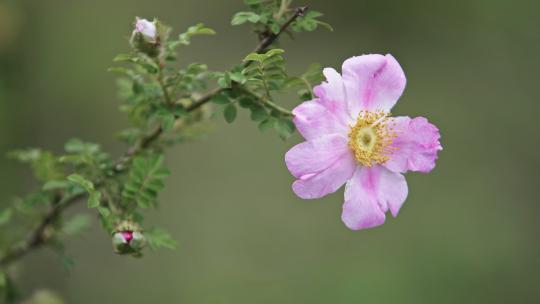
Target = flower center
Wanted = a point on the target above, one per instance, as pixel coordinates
(371, 138)
(128, 235)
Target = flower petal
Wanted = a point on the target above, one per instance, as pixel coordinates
(317, 185)
(372, 82)
(369, 194)
(326, 114)
(417, 145)
(315, 155)
(332, 91)
(146, 27)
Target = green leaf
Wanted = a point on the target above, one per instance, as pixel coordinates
(26, 156)
(230, 113)
(122, 71)
(105, 212)
(76, 159)
(94, 199)
(309, 22)
(225, 81)
(266, 71)
(246, 102)
(5, 216)
(307, 81)
(258, 113)
(273, 52)
(142, 61)
(243, 17)
(238, 77)
(168, 121)
(56, 185)
(220, 99)
(254, 57)
(267, 124)
(76, 145)
(275, 28)
(45, 165)
(313, 14)
(146, 180)
(192, 31)
(123, 57)
(157, 238)
(285, 128)
(81, 181)
(326, 26)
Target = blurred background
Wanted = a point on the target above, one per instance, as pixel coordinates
(468, 232)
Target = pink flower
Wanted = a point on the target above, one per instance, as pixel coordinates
(351, 138)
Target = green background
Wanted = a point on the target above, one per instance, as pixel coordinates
(468, 232)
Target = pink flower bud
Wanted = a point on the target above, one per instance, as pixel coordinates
(128, 239)
(146, 28)
(146, 37)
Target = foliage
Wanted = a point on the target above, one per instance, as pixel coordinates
(146, 180)
(267, 71)
(158, 238)
(165, 104)
(269, 16)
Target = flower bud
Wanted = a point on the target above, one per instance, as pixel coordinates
(146, 28)
(128, 238)
(145, 37)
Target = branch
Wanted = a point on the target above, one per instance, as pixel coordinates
(38, 237)
(261, 47)
(269, 39)
(268, 102)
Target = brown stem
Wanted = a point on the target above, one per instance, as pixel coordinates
(39, 237)
(269, 39)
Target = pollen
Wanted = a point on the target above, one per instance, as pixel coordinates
(371, 138)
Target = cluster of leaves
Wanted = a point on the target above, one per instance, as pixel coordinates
(270, 16)
(54, 173)
(156, 93)
(146, 180)
(160, 100)
(305, 82)
(252, 87)
(266, 72)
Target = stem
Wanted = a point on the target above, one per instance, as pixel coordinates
(308, 86)
(278, 108)
(265, 85)
(268, 40)
(267, 102)
(159, 78)
(283, 8)
(38, 237)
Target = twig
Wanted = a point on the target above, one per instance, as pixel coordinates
(269, 103)
(269, 39)
(38, 237)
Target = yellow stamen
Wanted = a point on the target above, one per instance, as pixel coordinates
(371, 138)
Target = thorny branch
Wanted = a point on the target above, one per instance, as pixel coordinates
(38, 237)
